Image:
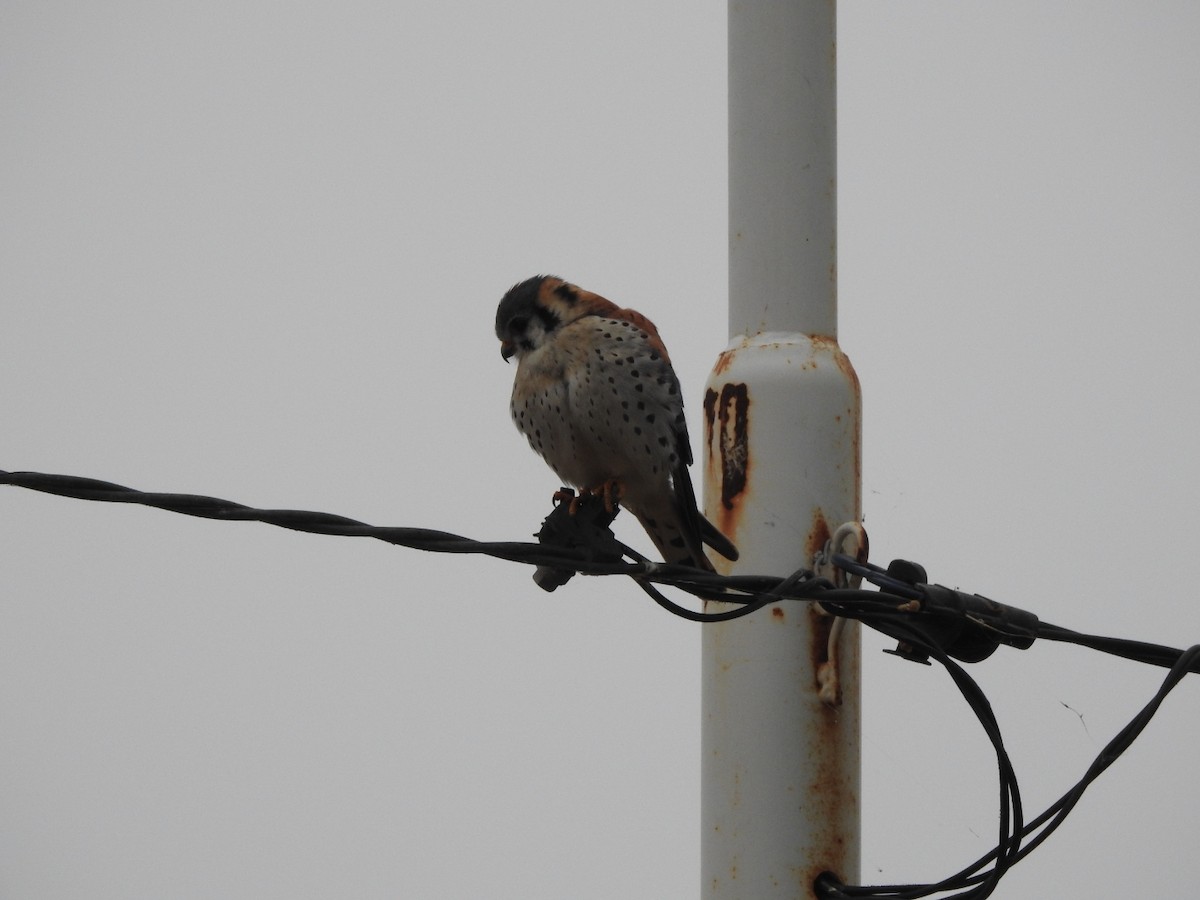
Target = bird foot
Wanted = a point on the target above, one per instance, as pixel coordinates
(566, 495)
(609, 491)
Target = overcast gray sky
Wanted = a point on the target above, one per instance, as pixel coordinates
(254, 250)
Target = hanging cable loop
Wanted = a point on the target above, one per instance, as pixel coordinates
(930, 622)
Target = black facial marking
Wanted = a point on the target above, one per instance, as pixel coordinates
(550, 321)
(568, 292)
(518, 308)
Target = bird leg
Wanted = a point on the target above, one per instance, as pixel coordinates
(609, 491)
(613, 491)
(566, 495)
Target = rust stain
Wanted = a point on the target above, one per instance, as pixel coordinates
(724, 361)
(834, 804)
(777, 613)
(856, 439)
(733, 429)
(832, 792)
(710, 420)
(818, 536)
(854, 413)
(830, 797)
(733, 416)
(822, 625)
(728, 424)
(832, 785)
(843, 363)
(828, 344)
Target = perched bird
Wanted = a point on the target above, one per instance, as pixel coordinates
(596, 396)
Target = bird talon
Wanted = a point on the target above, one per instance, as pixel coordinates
(612, 491)
(609, 492)
(566, 495)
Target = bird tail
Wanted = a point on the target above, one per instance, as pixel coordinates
(678, 528)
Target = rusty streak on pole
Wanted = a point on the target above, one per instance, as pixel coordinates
(780, 771)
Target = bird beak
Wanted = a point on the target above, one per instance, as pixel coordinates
(507, 349)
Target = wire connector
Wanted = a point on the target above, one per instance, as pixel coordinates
(968, 627)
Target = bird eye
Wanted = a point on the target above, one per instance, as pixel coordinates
(517, 324)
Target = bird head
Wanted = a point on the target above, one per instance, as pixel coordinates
(533, 310)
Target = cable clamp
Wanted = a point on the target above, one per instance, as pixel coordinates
(848, 540)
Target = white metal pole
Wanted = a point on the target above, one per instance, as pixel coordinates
(781, 760)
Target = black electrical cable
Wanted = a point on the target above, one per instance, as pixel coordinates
(1058, 811)
(754, 591)
(324, 523)
(1018, 842)
(780, 592)
(930, 622)
(1138, 651)
(970, 883)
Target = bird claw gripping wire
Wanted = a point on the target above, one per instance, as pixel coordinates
(579, 526)
(850, 539)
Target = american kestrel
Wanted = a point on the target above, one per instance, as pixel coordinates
(597, 397)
